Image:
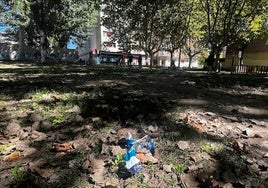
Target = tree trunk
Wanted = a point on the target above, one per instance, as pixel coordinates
(172, 62)
(179, 63)
(241, 61)
(217, 62)
(190, 60)
(44, 45)
(151, 59)
(21, 44)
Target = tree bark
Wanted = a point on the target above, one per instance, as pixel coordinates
(179, 63)
(44, 45)
(172, 62)
(151, 59)
(21, 44)
(190, 60)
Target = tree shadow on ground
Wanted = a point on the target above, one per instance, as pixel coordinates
(141, 102)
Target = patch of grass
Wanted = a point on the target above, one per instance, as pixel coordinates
(40, 95)
(35, 105)
(3, 148)
(179, 168)
(230, 160)
(4, 98)
(138, 181)
(226, 140)
(23, 178)
(208, 148)
(18, 173)
(117, 160)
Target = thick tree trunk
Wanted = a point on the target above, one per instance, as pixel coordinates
(172, 62)
(241, 61)
(218, 64)
(44, 44)
(179, 63)
(151, 59)
(21, 44)
(190, 60)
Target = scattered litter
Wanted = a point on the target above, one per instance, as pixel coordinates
(143, 147)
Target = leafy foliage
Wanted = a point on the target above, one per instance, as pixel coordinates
(53, 22)
(227, 21)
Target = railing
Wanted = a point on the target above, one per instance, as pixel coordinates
(247, 69)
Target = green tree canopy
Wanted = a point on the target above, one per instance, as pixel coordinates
(53, 22)
(137, 24)
(227, 21)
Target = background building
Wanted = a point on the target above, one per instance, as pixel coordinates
(255, 58)
(100, 43)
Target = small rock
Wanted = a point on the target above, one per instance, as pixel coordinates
(167, 168)
(98, 178)
(250, 161)
(24, 135)
(153, 129)
(96, 120)
(263, 166)
(259, 135)
(13, 129)
(45, 125)
(249, 133)
(265, 155)
(183, 145)
(29, 151)
(97, 165)
(193, 168)
(35, 166)
(35, 126)
(199, 156)
(85, 165)
(81, 145)
(211, 114)
(228, 185)
(38, 136)
(189, 180)
(78, 119)
(151, 158)
(254, 168)
(76, 109)
(105, 149)
(34, 117)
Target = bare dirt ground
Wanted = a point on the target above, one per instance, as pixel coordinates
(64, 126)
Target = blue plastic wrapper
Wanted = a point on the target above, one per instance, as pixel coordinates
(133, 164)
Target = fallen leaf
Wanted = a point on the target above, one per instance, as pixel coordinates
(124, 131)
(142, 157)
(199, 127)
(65, 147)
(13, 156)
